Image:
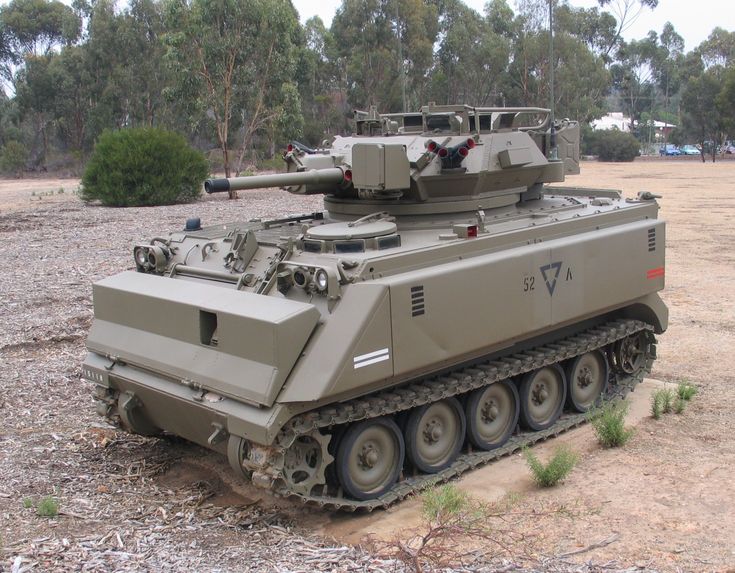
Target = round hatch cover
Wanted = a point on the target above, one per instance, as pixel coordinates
(342, 231)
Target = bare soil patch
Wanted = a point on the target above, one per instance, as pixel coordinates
(145, 504)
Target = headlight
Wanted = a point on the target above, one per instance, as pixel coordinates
(321, 280)
(151, 258)
(157, 258)
(140, 254)
(301, 277)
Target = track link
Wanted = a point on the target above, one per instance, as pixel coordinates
(454, 384)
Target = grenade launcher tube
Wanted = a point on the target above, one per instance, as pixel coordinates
(334, 175)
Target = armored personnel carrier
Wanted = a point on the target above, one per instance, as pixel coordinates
(446, 308)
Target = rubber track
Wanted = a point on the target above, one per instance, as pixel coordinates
(453, 384)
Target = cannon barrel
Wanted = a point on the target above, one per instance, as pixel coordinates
(333, 175)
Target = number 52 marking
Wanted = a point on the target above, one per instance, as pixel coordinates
(529, 283)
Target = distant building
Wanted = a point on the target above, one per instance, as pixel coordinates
(614, 120)
(617, 120)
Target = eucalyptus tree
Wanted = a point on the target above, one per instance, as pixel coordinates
(626, 13)
(386, 51)
(581, 76)
(232, 61)
(471, 60)
(718, 50)
(700, 113)
(634, 75)
(667, 66)
(321, 83)
(36, 27)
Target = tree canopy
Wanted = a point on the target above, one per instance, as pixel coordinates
(239, 78)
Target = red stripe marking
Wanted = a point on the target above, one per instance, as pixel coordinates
(655, 273)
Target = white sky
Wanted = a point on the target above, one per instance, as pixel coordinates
(692, 19)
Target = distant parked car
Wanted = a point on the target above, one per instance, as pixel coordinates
(689, 150)
(669, 149)
(730, 149)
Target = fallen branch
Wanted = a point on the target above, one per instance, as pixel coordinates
(603, 543)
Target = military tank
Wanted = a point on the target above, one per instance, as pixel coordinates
(446, 308)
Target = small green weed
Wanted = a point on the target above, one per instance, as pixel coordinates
(27, 502)
(555, 470)
(609, 424)
(662, 402)
(656, 406)
(442, 502)
(686, 391)
(679, 405)
(48, 507)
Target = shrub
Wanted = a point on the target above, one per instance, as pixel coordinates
(48, 507)
(13, 157)
(656, 406)
(686, 391)
(555, 470)
(662, 402)
(609, 424)
(439, 503)
(141, 167)
(679, 405)
(612, 145)
(27, 502)
(667, 400)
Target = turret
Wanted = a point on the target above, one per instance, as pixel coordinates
(445, 159)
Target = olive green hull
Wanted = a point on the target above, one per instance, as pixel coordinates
(457, 303)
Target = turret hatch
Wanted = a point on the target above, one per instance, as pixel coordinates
(352, 237)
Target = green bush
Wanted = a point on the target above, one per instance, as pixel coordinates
(443, 501)
(141, 167)
(48, 507)
(686, 391)
(609, 424)
(13, 157)
(555, 470)
(611, 145)
(656, 406)
(662, 402)
(679, 405)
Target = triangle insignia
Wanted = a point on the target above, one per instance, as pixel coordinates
(550, 273)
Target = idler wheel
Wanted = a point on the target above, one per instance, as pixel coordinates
(587, 377)
(434, 435)
(542, 395)
(630, 353)
(237, 451)
(369, 458)
(492, 414)
(133, 415)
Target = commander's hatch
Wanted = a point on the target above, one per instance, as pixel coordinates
(376, 231)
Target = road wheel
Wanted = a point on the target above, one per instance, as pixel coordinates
(587, 379)
(434, 435)
(492, 414)
(237, 452)
(369, 458)
(542, 397)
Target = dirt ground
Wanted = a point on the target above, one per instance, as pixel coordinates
(665, 502)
